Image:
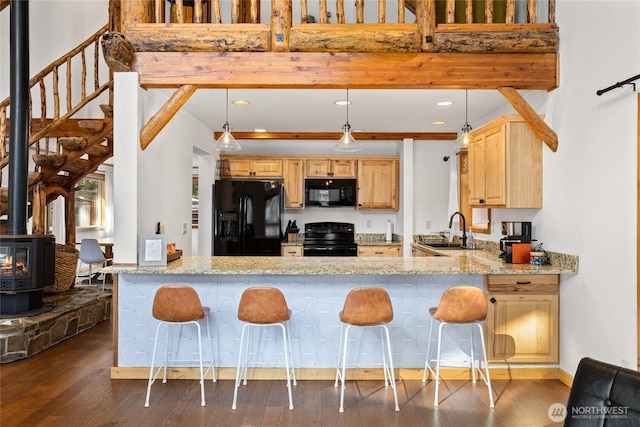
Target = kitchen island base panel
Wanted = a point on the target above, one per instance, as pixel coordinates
(498, 373)
(315, 302)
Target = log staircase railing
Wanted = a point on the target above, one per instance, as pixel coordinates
(64, 148)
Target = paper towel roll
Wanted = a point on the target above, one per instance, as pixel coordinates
(389, 236)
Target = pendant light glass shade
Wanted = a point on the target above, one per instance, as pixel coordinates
(227, 142)
(347, 142)
(465, 138)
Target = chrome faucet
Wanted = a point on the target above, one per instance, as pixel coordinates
(464, 227)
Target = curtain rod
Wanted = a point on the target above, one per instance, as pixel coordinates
(620, 84)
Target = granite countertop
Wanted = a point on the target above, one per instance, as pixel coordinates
(454, 262)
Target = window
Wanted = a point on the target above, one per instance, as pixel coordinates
(194, 201)
(90, 203)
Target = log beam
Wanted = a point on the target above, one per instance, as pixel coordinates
(165, 114)
(529, 115)
(39, 201)
(288, 70)
(360, 136)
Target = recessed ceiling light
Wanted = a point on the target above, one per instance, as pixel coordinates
(438, 122)
(444, 103)
(240, 102)
(259, 130)
(343, 102)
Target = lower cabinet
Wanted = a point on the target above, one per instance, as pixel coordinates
(379, 250)
(291, 251)
(522, 318)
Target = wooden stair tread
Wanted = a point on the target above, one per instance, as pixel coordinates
(49, 161)
(107, 110)
(99, 150)
(78, 166)
(91, 125)
(59, 180)
(73, 143)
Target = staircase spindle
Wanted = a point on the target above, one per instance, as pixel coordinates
(510, 12)
(323, 12)
(401, 7)
(68, 73)
(382, 11)
(531, 11)
(340, 11)
(360, 11)
(304, 11)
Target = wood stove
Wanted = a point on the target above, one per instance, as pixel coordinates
(27, 264)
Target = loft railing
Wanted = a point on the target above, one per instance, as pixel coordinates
(65, 86)
(352, 26)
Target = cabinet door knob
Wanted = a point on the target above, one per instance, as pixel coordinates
(493, 300)
(482, 201)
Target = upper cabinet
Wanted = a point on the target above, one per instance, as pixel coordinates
(331, 168)
(505, 165)
(251, 167)
(378, 184)
(293, 183)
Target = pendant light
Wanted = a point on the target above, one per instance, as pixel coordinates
(466, 128)
(227, 142)
(347, 142)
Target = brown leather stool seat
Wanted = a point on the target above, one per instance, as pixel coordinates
(264, 306)
(367, 307)
(459, 305)
(179, 305)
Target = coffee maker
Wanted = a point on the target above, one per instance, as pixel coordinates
(514, 232)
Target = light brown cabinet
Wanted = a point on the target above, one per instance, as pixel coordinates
(379, 250)
(330, 168)
(251, 167)
(293, 173)
(378, 184)
(505, 165)
(522, 318)
(292, 251)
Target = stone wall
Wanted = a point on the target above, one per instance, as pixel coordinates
(73, 312)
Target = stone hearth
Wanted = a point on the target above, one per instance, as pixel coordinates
(73, 312)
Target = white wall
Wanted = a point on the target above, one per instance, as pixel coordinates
(590, 182)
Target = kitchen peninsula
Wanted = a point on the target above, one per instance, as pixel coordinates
(315, 288)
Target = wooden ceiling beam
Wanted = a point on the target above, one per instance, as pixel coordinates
(360, 136)
(535, 122)
(165, 114)
(310, 70)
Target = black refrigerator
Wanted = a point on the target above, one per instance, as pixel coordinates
(247, 217)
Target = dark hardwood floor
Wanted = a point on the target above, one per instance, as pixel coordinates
(69, 385)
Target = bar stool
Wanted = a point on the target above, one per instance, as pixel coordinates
(458, 306)
(179, 305)
(264, 306)
(367, 307)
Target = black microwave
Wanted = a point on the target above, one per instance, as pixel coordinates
(330, 192)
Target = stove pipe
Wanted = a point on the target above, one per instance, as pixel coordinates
(19, 110)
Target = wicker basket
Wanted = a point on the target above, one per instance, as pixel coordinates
(66, 266)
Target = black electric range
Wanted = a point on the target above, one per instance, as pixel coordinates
(329, 239)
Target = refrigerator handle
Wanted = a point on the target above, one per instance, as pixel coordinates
(243, 224)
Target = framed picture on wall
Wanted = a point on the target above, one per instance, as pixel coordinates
(152, 250)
